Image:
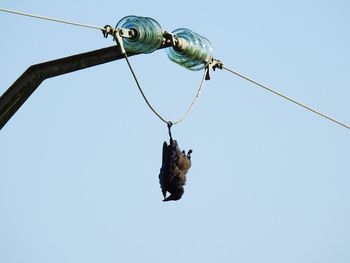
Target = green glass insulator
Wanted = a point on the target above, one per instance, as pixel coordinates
(195, 51)
(148, 34)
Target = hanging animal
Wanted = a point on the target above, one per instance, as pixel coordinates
(175, 165)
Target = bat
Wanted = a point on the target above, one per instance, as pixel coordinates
(175, 165)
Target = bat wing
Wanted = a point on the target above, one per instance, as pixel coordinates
(163, 180)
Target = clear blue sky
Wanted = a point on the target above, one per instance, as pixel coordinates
(79, 162)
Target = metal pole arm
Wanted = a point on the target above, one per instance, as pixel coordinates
(14, 97)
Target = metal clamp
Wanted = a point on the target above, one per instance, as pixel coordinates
(123, 32)
(213, 64)
(118, 34)
(169, 39)
(108, 30)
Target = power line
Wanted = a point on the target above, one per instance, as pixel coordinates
(50, 19)
(202, 81)
(286, 97)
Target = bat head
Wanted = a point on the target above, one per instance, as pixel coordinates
(175, 195)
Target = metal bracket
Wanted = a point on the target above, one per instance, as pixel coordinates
(118, 38)
(169, 38)
(213, 64)
(123, 32)
(127, 33)
(118, 34)
(108, 30)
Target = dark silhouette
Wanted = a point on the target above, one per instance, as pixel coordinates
(175, 165)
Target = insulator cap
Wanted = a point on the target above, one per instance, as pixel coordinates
(148, 34)
(192, 50)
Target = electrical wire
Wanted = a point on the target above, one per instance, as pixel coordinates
(286, 97)
(183, 117)
(142, 93)
(50, 19)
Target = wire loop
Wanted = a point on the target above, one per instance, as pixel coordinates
(163, 119)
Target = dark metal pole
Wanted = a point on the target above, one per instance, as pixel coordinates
(14, 97)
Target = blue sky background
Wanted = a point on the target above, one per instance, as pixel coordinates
(269, 182)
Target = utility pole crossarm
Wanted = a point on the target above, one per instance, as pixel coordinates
(14, 97)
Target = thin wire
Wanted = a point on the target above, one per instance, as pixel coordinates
(142, 93)
(287, 98)
(184, 116)
(153, 109)
(50, 19)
